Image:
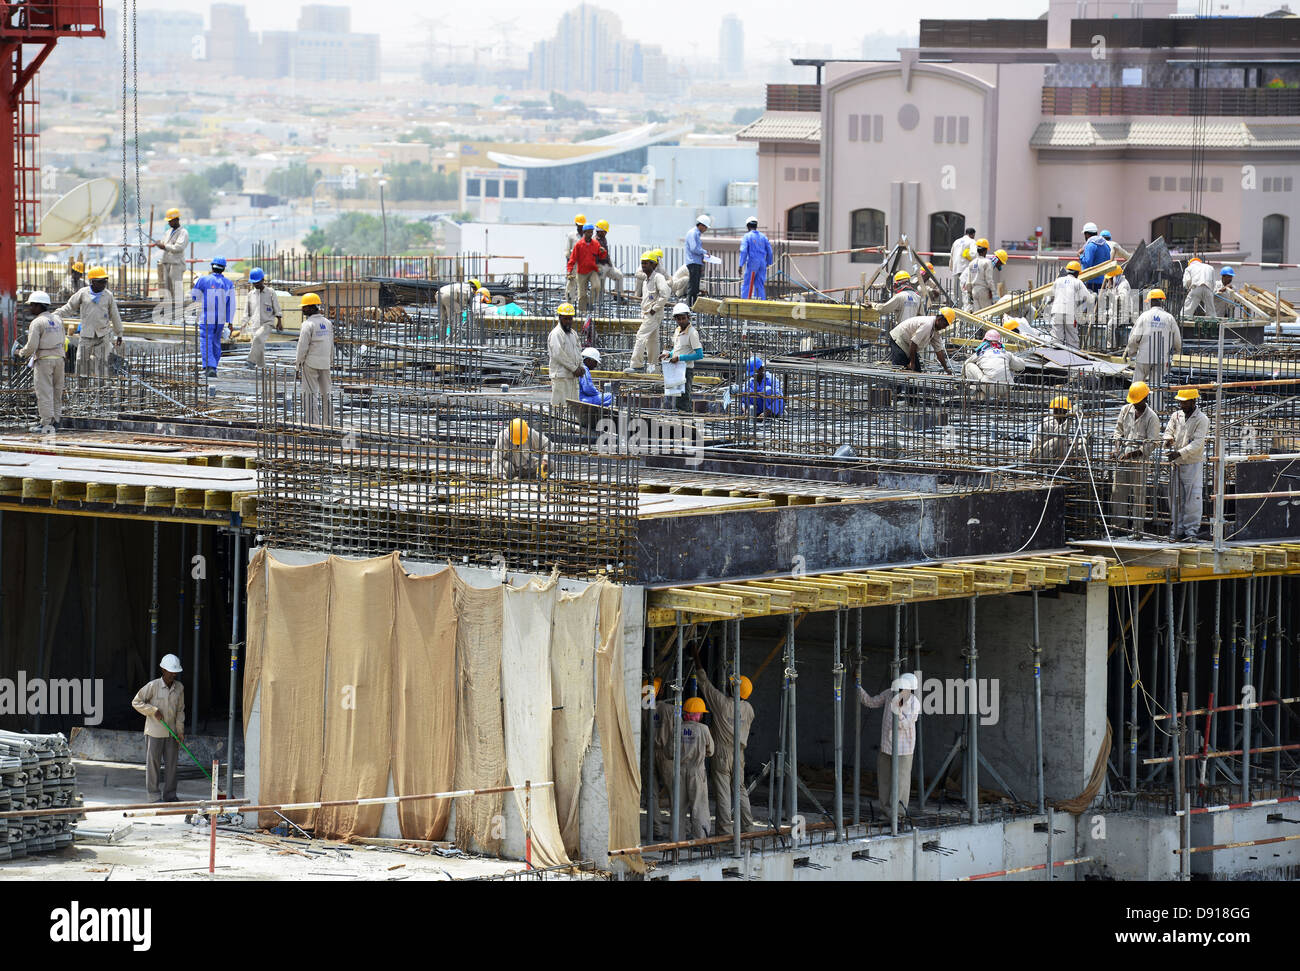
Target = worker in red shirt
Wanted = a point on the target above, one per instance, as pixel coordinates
(584, 264)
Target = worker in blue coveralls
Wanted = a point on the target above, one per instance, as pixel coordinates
(763, 399)
(216, 295)
(755, 258)
(588, 393)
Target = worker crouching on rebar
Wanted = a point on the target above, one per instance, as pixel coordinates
(914, 335)
(763, 398)
(521, 452)
(1055, 434)
(162, 702)
(315, 356)
(899, 700)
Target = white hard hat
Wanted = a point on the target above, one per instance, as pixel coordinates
(681, 308)
(592, 353)
(1089, 227)
(905, 682)
(170, 662)
(704, 221)
(39, 296)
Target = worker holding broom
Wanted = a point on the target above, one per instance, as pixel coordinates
(162, 702)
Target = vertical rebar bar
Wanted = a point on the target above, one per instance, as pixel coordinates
(972, 706)
(94, 596)
(737, 766)
(153, 608)
(1277, 689)
(893, 790)
(1132, 655)
(1212, 725)
(793, 735)
(1247, 686)
(677, 738)
(1038, 706)
(200, 571)
(1191, 597)
(234, 668)
(837, 683)
(919, 754)
(181, 576)
(857, 726)
(1176, 721)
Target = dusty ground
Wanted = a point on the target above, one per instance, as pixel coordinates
(167, 848)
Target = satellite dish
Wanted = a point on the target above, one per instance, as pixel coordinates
(77, 215)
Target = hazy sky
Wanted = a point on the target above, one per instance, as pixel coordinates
(680, 26)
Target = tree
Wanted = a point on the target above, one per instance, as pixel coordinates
(363, 234)
(744, 116)
(293, 183)
(656, 117)
(224, 176)
(196, 193)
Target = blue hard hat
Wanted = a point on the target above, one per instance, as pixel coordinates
(219, 262)
(1227, 271)
(1106, 233)
(257, 276)
(754, 364)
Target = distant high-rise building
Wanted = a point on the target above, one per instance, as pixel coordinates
(232, 46)
(325, 49)
(590, 54)
(166, 40)
(731, 47)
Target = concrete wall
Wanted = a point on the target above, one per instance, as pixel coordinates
(698, 175)
(1278, 861)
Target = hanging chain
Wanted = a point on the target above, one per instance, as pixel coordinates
(122, 197)
(135, 134)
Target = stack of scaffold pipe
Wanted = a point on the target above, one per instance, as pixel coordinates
(36, 772)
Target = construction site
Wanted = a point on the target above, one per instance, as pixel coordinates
(391, 645)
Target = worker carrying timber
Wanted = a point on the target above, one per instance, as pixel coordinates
(1185, 435)
(1055, 434)
(45, 347)
(900, 699)
(521, 452)
(724, 717)
(216, 298)
(697, 744)
(656, 293)
(906, 302)
(1198, 279)
(96, 306)
(314, 358)
(261, 310)
(1155, 339)
(991, 365)
(162, 702)
(584, 265)
(1136, 435)
(171, 265)
(565, 357)
(755, 257)
(914, 335)
(687, 349)
(1070, 301)
(588, 393)
(762, 398)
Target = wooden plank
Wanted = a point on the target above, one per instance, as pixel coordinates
(130, 495)
(36, 488)
(802, 594)
(924, 583)
(73, 491)
(1035, 573)
(681, 598)
(750, 600)
(101, 492)
(831, 591)
(877, 590)
(11, 485)
(191, 498)
(778, 599)
(155, 496)
(216, 499)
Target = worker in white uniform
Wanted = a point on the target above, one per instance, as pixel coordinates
(96, 306)
(931, 295)
(171, 265)
(570, 240)
(906, 302)
(565, 357)
(1115, 301)
(1054, 438)
(1198, 279)
(261, 310)
(162, 700)
(992, 367)
(1117, 252)
(697, 744)
(724, 755)
(978, 280)
(452, 301)
(687, 349)
(900, 699)
(963, 251)
(1155, 339)
(913, 336)
(1069, 305)
(1136, 435)
(315, 356)
(1185, 435)
(46, 345)
(655, 292)
(1226, 304)
(521, 452)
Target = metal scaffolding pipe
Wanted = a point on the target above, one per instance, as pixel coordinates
(1133, 699)
(857, 727)
(1038, 706)
(737, 773)
(181, 577)
(1191, 601)
(200, 572)
(45, 599)
(677, 738)
(1212, 720)
(1248, 653)
(972, 719)
(92, 637)
(893, 709)
(792, 764)
(837, 682)
(1277, 686)
(652, 787)
(153, 608)
(1171, 644)
(919, 760)
(234, 668)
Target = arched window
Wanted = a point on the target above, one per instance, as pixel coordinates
(801, 221)
(1273, 247)
(945, 227)
(1187, 231)
(867, 229)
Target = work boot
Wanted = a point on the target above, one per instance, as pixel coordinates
(35, 426)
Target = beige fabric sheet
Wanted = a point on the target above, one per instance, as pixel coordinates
(255, 612)
(424, 699)
(618, 746)
(573, 698)
(480, 734)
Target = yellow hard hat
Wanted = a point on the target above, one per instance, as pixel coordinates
(929, 266)
(658, 683)
(1114, 271)
(649, 255)
(1010, 323)
(79, 266)
(981, 244)
(602, 225)
(518, 431)
(659, 254)
(1137, 391)
(565, 310)
(1188, 394)
(902, 276)
(475, 284)
(580, 220)
(1195, 259)
(173, 214)
(694, 706)
(310, 300)
(948, 314)
(97, 273)
(1074, 265)
(1156, 294)
(746, 687)
(1060, 401)
(1001, 255)
(482, 290)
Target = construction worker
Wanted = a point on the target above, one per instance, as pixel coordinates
(161, 701)
(521, 452)
(963, 251)
(585, 266)
(687, 348)
(588, 393)
(314, 358)
(1054, 437)
(452, 301)
(570, 241)
(609, 277)
(654, 290)
(664, 709)
(763, 398)
(1228, 306)
(1117, 252)
(171, 265)
(978, 281)
(77, 274)
(1198, 278)
(97, 308)
(1155, 339)
(697, 744)
(1022, 328)
(901, 699)
(216, 298)
(755, 257)
(695, 257)
(992, 364)
(905, 302)
(1185, 435)
(1096, 250)
(1115, 305)
(261, 307)
(565, 357)
(1069, 305)
(46, 342)
(931, 294)
(1136, 434)
(724, 735)
(914, 335)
